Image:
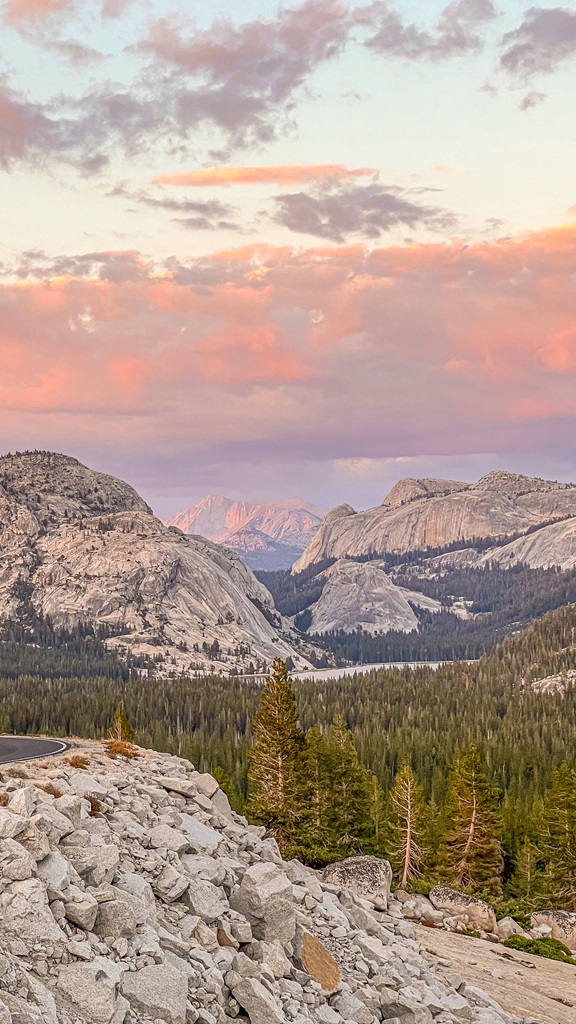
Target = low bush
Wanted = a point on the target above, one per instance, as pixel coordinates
(552, 949)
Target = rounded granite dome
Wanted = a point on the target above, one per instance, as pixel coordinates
(57, 487)
(339, 512)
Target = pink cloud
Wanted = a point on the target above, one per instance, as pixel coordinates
(339, 352)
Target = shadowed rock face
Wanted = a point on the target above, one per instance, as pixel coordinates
(86, 548)
(421, 514)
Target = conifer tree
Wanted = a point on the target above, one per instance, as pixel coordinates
(121, 727)
(528, 884)
(276, 776)
(319, 842)
(472, 850)
(557, 837)
(406, 826)
(348, 812)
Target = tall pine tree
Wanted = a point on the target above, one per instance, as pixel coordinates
(472, 854)
(349, 808)
(277, 787)
(557, 837)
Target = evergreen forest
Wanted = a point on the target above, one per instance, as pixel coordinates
(372, 745)
(500, 601)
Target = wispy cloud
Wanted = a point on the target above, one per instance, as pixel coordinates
(544, 40)
(338, 211)
(458, 31)
(276, 174)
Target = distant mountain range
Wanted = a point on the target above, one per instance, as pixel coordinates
(463, 562)
(265, 536)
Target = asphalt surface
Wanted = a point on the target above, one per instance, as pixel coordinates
(28, 748)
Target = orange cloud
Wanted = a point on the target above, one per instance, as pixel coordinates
(336, 352)
(274, 174)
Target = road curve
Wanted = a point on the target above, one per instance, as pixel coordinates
(28, 748)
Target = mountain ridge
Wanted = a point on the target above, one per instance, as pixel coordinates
(80, 546)
(265, 534)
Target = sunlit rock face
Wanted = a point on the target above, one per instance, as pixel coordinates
(422, 514)
(81, 546)
(266, 536)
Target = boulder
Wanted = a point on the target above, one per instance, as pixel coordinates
(368, 877)
(82, 909)
(265, 898)
(206, 901)
(55, 871)
(91, 989)
(163, 836)
(468, 910)
(318, 962)
(562, 925)
(16, 864)
(24, 912)
(159, 991)
(115, 919)
(95, 864)
(507, 927)
(201, 838)
(258, 1002)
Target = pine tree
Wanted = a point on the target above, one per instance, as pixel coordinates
(121, 728)
(472, 855)
(557, 837)
(406, 826)
(528, 883)
(318, 845)
(276, 776)
(348, 813)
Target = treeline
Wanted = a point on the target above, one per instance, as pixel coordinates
(312, 792)
(32, 646)
(500, 601)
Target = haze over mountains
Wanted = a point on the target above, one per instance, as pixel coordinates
(82, 547)
(271, 535)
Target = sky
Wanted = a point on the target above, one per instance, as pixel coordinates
(289, 250)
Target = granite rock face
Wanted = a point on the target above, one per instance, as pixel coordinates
(422, 514)
(88, 549)
(171, 935)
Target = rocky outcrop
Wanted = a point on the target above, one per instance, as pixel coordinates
(362, 594)
(369, 877)
(422, 514)
(159, 905)
(265, 536)
(80, 546)
(475, 914)
(561, 923)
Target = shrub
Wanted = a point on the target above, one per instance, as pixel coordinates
(3, 799)
(78, 761)
(51, 790)
(550, 948)
(95, 805)
(121, 748)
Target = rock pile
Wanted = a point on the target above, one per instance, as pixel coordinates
(130, 893)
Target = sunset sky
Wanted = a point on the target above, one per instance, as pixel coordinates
(301, 250)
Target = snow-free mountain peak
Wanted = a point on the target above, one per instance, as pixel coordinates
(266, 535)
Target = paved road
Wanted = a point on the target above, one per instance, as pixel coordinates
(27, 748)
